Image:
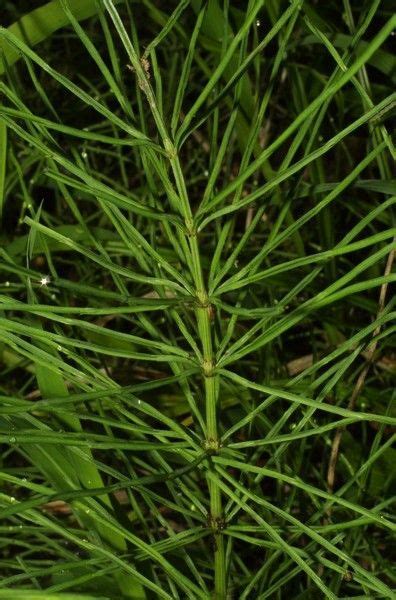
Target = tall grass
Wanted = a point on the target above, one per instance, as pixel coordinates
(196, 314)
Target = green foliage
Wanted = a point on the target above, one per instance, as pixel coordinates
(197, 344)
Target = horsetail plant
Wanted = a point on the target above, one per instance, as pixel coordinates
(196, 317)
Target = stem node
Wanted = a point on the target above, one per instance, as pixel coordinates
(212, 445)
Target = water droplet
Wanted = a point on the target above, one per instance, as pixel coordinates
(258, 23)
(192, 507)
(59, 348)
(12, 499)
(139, 401)
(84, 154)
(206, 173)
(44, 281)
(12, 440)
(7, 284)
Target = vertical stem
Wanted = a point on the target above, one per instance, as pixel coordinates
(216, 509)
(212, 442)
(211, 384)
(211, 388)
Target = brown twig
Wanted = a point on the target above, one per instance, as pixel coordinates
(335, 448)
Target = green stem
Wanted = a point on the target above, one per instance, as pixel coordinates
(216, 509)
(203, 318)
(212, 442)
